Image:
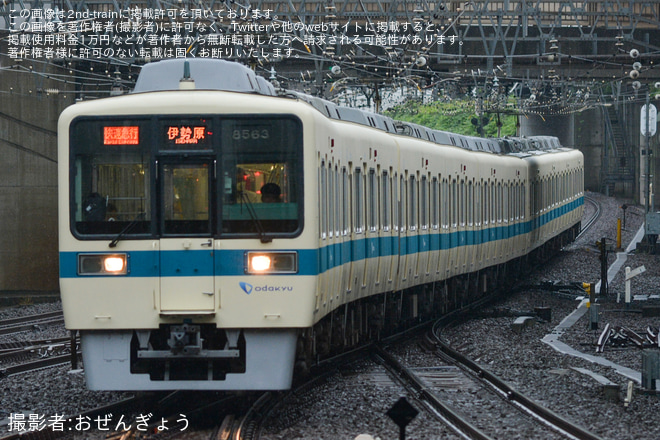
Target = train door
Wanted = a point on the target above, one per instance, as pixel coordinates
(388, 248)
(359, 240)
(186, 244)
(373, 246)
(402, 274)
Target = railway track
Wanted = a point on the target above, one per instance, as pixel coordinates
(425, 396)
(13, 346)
(456, 394)
(249, 426)
(594, 218)
(25, 367)
(27, 356)
(30, 323)
(544, 423)
(476, 404)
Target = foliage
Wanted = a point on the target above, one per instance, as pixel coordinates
(454, 116)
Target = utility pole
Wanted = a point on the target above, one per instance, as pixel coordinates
(648, 128)
(603, 267)
(647, 108)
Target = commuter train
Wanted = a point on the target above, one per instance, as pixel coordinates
(215, 232)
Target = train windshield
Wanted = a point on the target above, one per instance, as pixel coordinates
(261, 176)
(110, 173)
(164, 176)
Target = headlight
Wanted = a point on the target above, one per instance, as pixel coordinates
(115, 264)
(102, 264)
(271, 262)
(261, 263)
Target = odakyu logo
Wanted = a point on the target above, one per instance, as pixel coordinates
(248, 288)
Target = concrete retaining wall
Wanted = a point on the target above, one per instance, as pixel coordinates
(28, 180)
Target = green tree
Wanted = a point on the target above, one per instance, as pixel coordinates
(454, 116)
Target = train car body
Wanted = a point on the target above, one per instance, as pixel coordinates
(179, 272)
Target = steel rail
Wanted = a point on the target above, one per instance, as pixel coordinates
(420, 389)
(593, 218)
(36, 365)
(30, 318)
(248, 427)
(43, 351)
(14, 346)
(512, 394)
(30, 326)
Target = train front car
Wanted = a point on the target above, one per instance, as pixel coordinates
(184, 261)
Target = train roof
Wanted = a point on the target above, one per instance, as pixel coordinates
(207, 75)
(214, 74)
(518, 147)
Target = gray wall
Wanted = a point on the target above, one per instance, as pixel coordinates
(589, 138)
(583, 131)
(28, 177)
(560, 126)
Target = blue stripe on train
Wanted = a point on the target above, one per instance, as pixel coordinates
(314, 261)
(186, 263)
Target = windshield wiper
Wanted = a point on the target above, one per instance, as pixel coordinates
(127, 228)
(255, 219)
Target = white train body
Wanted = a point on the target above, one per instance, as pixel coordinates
(163, 282)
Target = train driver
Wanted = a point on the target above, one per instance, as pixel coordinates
(270, 193)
